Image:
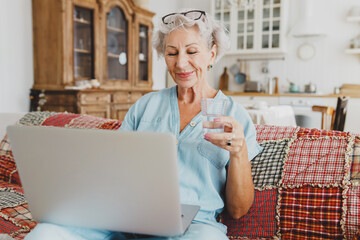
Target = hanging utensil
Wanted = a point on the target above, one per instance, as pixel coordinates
(240, 78)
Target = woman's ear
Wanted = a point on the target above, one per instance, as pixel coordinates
(213, 52)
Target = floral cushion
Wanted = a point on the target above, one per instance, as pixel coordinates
(307, 183)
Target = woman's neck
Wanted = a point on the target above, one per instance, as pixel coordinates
(195, 93)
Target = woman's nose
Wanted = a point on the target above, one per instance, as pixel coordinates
(182, 60)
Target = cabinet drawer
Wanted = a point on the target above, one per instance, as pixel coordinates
(135, 96)
(98, 110)
(126, 97)
(60, 99)
(119, 111)
(95, 98)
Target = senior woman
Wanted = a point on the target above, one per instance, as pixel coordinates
(213, 169)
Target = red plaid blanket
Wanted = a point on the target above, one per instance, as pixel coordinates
(307, 183)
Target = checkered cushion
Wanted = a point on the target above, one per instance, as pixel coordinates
(5, 149)
(87, 121)
(310, 212)
(274, 132)
(4, 186)
(35, 118)
(355, 167)
(59, 120)
(267, 166)
(15, 217)
(8, 227)
(307, 132)
(10, 199)
(21, 215)
(352, 226)
(8, 171)
(259, 222)
(315, 161)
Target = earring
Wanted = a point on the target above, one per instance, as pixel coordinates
(209, 67)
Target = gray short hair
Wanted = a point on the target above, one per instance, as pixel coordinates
(213, 32)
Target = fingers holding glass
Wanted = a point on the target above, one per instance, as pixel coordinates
(233, 137)
(211, 110)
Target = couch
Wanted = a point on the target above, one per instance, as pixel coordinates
(307, 183)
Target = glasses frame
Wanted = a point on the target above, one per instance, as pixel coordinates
(202, 13)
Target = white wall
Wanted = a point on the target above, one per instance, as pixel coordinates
(16, 55)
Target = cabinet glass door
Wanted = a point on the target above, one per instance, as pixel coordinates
(143, 53)
(83, 43)
(117, 44)
(222, 12)
(270, 24)
(245, 28)
(255, 26)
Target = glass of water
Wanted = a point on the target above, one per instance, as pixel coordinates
(210, 109)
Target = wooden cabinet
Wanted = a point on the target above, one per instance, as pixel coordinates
(76, 41)
(96, 102)
(255, 27)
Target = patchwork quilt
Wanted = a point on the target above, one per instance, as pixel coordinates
(306, 186)
(307, 183)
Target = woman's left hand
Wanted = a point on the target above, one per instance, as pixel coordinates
(232, 139)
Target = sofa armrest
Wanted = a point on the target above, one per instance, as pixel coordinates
(7, 119)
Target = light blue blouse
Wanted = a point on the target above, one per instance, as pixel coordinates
(202, 173)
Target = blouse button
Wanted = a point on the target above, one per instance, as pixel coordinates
(192, 124)
(177, 142)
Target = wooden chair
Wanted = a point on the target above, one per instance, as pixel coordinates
(333, 119)
(327, 114)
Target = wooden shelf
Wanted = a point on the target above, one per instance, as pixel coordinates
(353, 51)
(82, 21)
(113, 29)
(112, 55)
(84, 51)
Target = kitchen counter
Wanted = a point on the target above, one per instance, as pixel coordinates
(302, 104)
(255, 94)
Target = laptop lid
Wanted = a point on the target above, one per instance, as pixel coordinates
(114, 180)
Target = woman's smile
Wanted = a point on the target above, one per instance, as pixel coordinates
(184, 74)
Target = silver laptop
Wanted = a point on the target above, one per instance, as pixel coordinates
(113, 180)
